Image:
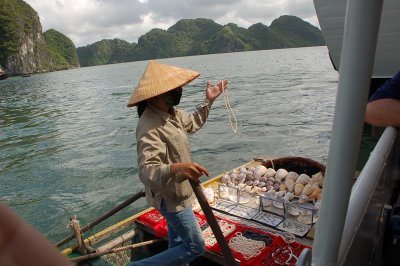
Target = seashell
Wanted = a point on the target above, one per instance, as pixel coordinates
(257, 189)
(263, 179)
(292, 175)
(264, 189)
(252, 168)
(289, 196)
(294, 211)
(247, 189)
(260, 171)
(241, 175)
(298, 188)
(209, 194)
(269, 183)
(280, 175)
(304, 199)
(307, 190)
(270, 172)
(256, 182)
(315, 193)
(318, 178)
(248, 178)
(303, 179)
(276, 186)
(289, 184)
(249, 183)
(225, 178)
(282, 187)
(233, 176)
(243, 170)
(272, 179)
(262, 184)
(241, 186)
(234, 171)
(250, 173)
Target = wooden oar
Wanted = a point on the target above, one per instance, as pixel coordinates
(114, 250)
(219, 236)
(105, 216)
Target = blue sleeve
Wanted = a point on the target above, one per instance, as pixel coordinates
(390, 89)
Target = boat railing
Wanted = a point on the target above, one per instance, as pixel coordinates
(380, 170)
(370, 193)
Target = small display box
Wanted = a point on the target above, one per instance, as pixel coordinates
(228, 198)
(272, 210)
(299, 218)
(247, 206)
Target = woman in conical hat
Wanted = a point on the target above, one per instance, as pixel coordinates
(164, 160)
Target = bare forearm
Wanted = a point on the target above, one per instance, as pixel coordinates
(383, 112)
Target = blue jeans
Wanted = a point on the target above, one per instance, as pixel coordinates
(185, 240)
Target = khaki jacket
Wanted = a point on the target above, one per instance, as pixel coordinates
(162, 139)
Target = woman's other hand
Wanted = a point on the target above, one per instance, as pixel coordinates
(212, 92)
(190, 171)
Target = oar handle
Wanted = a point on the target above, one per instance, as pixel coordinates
(127, 202)
(219, 236)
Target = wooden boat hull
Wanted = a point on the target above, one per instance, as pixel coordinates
(291, 163)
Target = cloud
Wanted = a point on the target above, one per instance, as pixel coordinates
(88, 21)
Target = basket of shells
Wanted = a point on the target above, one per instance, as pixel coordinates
(289, 178)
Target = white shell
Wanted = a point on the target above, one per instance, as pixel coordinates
(292, 175)
(280, 175)
(303, 179)
(260, 171)
(209, 194)
(270, 172)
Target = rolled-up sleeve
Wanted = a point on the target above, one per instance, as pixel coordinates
(151, 151)
(192, 122)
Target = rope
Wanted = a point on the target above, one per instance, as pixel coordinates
(229, 109)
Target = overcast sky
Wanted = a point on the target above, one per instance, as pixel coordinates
(89, 21)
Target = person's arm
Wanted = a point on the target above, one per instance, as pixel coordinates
(20, 244)
(150, 149)
(383, 112)
(156, 174)
(194, 121)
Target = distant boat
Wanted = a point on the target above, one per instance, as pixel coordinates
(3, 74)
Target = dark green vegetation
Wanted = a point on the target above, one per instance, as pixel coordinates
(23, 46)
(203, 36)
(61, 48)
(16, 18)
(25, 49)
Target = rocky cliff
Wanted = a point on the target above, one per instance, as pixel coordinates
(23, 48)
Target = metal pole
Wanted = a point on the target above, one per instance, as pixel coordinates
(356, 64)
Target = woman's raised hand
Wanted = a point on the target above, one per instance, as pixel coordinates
(212, 92)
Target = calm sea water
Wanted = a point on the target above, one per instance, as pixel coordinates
(67, 139)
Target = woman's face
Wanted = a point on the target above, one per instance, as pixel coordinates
(173, 97)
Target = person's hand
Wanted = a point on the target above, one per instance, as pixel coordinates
(212, 92)
(21, 244)
(190, 171)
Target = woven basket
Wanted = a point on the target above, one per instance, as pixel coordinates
(299, 165)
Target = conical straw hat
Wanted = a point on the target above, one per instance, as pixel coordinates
(159, 78)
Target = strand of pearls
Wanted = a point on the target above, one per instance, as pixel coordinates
(226, 229)
(247, 247)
